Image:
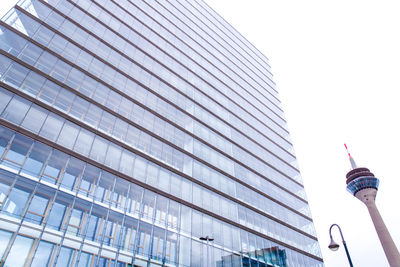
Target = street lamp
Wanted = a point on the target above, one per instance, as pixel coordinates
(335, 246)
(207, 238)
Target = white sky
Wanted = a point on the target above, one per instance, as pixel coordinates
(337, 68)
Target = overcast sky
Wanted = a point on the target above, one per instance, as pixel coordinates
(337, 68)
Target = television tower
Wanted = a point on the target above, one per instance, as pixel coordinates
(362, 184)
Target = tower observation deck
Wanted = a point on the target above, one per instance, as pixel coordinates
(362, 184)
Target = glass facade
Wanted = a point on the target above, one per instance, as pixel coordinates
(131, 129)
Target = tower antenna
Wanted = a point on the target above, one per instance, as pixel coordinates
(352, 162)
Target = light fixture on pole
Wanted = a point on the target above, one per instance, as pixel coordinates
(335, 246)
(207, 238)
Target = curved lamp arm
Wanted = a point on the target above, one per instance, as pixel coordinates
(334, 246)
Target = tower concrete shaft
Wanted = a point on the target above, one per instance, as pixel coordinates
(363, 184)
(367, 196)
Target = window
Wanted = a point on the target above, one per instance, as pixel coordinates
(76, 220)
(111, 229)
(38, 208)
(104, 187)
(30, 53)
(55, 167)
(86, 260)
(33, 84)
(95, 223)
(15, 75)
(52, 127)
(134, 199)
(129, 234)
(35, 118)
(84, 142)
(5, 97)
(16, 201)
(19, 252)
(72, 174)
(158, 243)
(66, 257)
(143, 244)
(58, 212)
(5, 237)
(36, 160)
(44, 255)
(89, 180)
(16, 110)
(118, 197)
(15, 155)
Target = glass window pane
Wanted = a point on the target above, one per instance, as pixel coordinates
(19, 252)
(95, 222)
(68, 135)
(11, 42)
(32, 84)
(34, 119)
(93, 115)
(99, 148)
(84, 142)
(127, 161)
(66, 257)
(48, 92)
(143, 244)
(37, 208)
(112, 229)
(64, 100)
(43, 35)
(30, 53)
(46, 62)
(139, 171)
(118, 198)
(16, 201)
(134, 199)
(36, 159)
(77, 218)
(5, 62)
(43, 254)
(129, 234)
(52, 127)
(104, 187)
(72, 173)
(15, 75)
(112, 156)
(55, 167)
(5, 97)
(5, 136)
(86, 260)
(16, 110)
(58, 212)
(79, 108)
(184, 251)
(5, 237)
(158, 244)
(16, 154)
(89, 180)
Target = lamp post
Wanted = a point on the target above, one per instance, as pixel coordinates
(335, 246)
(207, 238)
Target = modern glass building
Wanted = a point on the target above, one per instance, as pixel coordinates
(131, 129)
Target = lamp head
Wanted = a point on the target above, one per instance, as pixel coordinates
(333, 245)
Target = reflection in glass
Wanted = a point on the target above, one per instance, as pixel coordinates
(16, 201)
(66, 257)
(19, 252)
(44, 254)
(5, 237)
